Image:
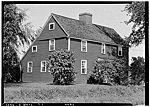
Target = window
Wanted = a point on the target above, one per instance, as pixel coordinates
(51, 26)
(119, 51)
(100, 59)
(43, 66)
(68, 44)
(83, 66)
(34, 48)
(52, 45)
(84, 46)
(103, 48)
(29, 66)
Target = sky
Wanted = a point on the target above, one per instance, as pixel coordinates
(109, 15)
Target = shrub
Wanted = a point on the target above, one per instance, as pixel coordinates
(111, 72)
(102, 72)
(137, 69)
(61, 66)
(122, 71)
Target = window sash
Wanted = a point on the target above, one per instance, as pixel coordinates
(29, 67)
(52, 45)
(51, 26)
(34, 48)
(83, 66)
(84, 46)
(103, 48)
(43, 66)
(119, 51)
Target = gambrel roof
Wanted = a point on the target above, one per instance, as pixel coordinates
(79, 29)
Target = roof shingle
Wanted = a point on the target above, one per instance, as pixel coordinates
(79, 29)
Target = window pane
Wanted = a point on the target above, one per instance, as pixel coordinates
(30, 64)
(119, 52)
(43, 68)
(34, 48)
(83, 70)
(52, 42)
(83, 43)
(51, 26)
(51, 47)
(30, 69)
(83, 48)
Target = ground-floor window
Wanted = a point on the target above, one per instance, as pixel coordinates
(29, 66)
(83, 66)
(43, 66)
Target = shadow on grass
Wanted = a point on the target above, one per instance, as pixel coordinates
(59, 85)
(13, 84)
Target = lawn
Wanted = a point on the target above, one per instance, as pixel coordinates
(79, 93)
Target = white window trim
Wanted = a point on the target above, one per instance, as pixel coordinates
(68, 44)
(41, 66)
(85, 45)
(119, 49)
(103, 48)
(28, 66)
(33, 47)
(85, 66)
(51, 44)
(53, 26)
(100, 59)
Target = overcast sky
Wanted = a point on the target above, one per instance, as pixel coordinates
(109, 15)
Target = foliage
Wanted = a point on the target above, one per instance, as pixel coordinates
(103, 72)
(12, 33)
(10, 62)
(137, 12)
(114, 72)
(137, 69)
(122, 70)
(61, 66)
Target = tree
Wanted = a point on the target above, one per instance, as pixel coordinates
(61, 66)
(12, 33)
(137, 69)
(137, 12)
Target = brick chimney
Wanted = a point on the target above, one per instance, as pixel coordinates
(86, 17)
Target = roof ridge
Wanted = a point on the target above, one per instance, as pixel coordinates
(66, 17)
(80, 21)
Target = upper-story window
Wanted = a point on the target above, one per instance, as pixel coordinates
(51, 26)
(43, 66)
(51, 44)
(34, 48)
(29, 66)
(103, 48)
(119, 51)
(84, 46)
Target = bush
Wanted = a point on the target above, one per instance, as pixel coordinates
(103, 72)
(110, 72)
(12, 75)
(137, 69)
(122, 71)
(61, 66)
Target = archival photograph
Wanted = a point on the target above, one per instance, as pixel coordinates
(73, 54)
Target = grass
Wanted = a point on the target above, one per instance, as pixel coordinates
(79, 93)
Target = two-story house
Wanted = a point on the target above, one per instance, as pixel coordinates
(88, 41)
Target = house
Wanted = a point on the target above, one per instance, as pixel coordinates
(88, 41)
